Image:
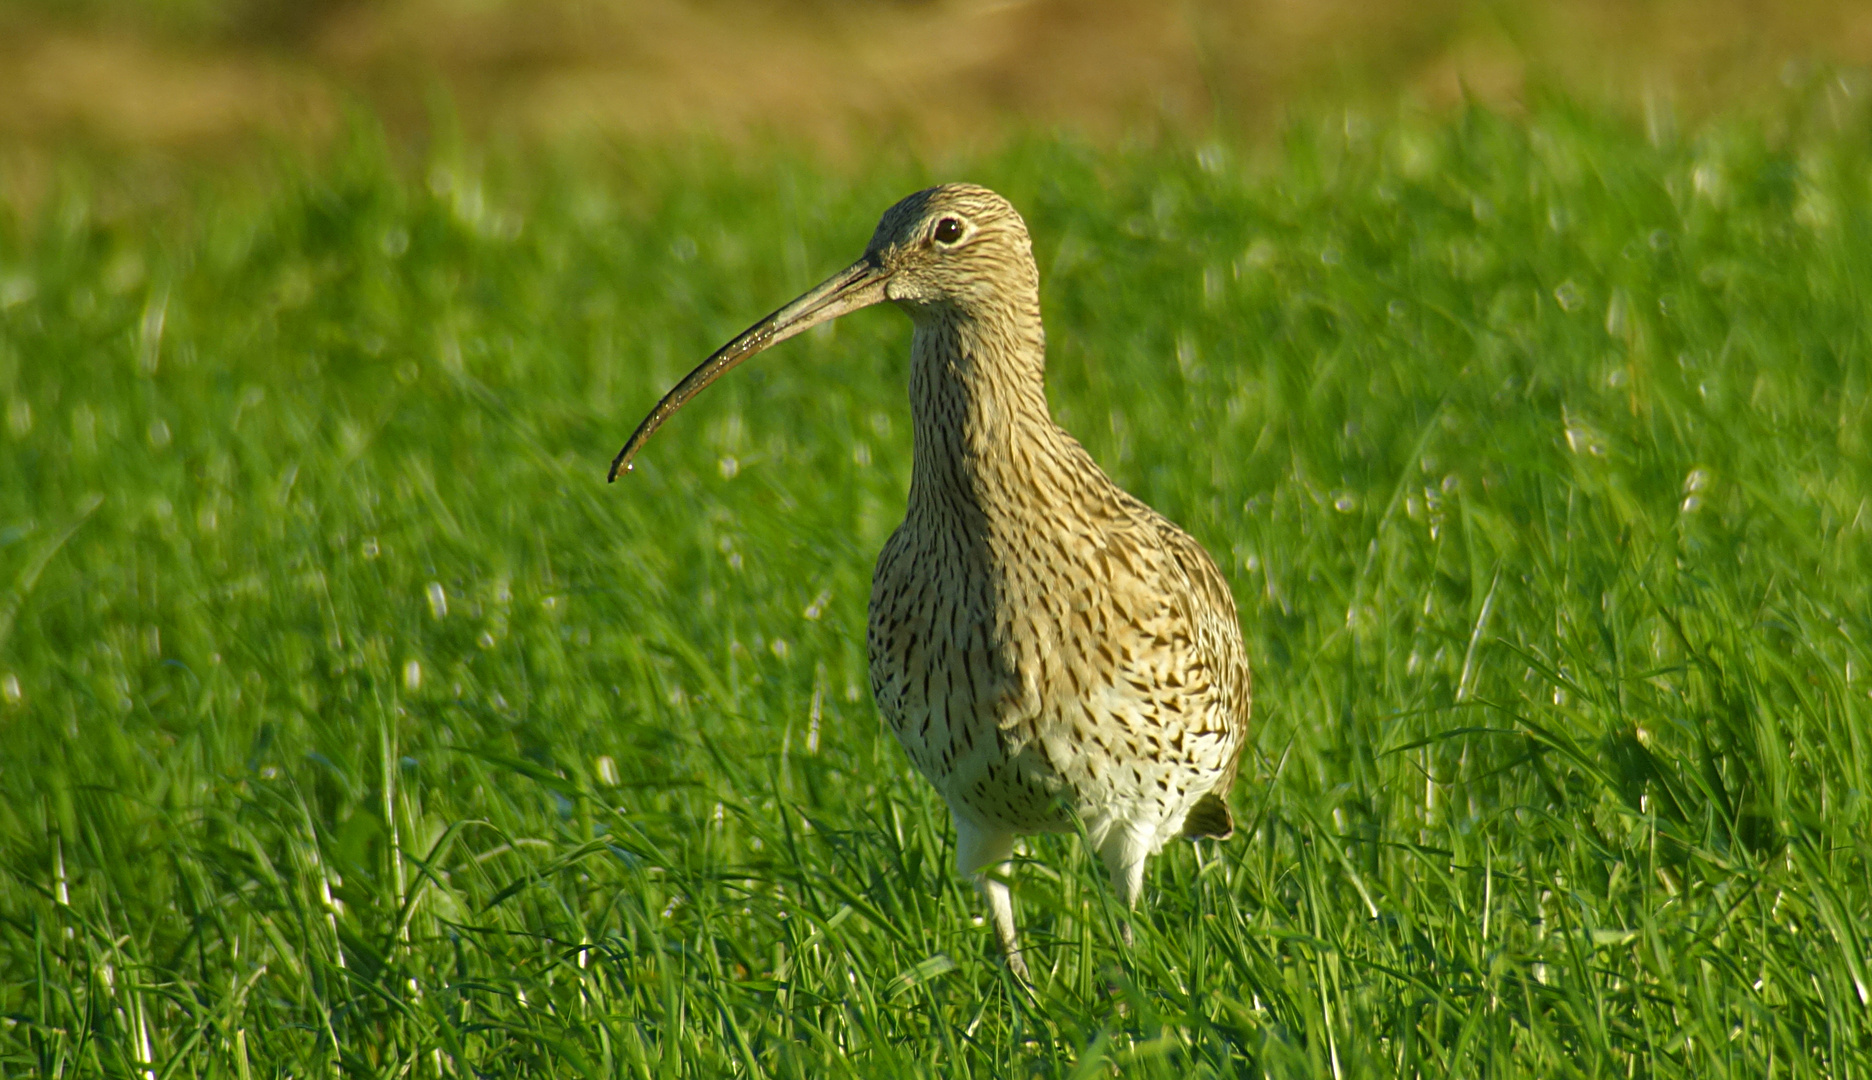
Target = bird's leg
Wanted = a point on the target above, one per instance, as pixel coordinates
(983, 854)
(1124, 853)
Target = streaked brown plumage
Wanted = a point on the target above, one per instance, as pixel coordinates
(1048, 649)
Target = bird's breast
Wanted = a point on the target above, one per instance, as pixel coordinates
(956, 666)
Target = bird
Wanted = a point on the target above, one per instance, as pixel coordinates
(1053, 654)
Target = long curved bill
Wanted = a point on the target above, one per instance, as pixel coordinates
(859, 285)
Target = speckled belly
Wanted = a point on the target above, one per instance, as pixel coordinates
(956, 700)
(1007, 738)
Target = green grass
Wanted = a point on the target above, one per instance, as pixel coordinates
(350, 723)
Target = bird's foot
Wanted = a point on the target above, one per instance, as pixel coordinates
(1018, 965)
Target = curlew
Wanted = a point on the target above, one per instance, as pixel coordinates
(1053, 654)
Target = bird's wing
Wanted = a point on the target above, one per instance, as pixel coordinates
(1218, 641)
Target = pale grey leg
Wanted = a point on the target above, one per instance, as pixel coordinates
(980, 852)
(1124, 853)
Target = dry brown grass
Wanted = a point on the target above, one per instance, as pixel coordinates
(837, 73)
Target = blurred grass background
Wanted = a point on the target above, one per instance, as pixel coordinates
(194, 76)
(1511, 360)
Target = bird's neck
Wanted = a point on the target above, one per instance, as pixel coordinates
(978, 406)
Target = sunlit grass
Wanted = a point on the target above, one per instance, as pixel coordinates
(351, 722)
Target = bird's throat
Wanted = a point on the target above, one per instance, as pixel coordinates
(979, 413)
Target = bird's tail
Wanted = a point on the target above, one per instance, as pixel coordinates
(1209, 819)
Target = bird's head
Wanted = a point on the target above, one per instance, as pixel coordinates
(956, 250)
(957, 247)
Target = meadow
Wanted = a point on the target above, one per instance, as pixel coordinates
(350, 723)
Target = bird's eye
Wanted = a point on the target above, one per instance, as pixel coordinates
(948, 230)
